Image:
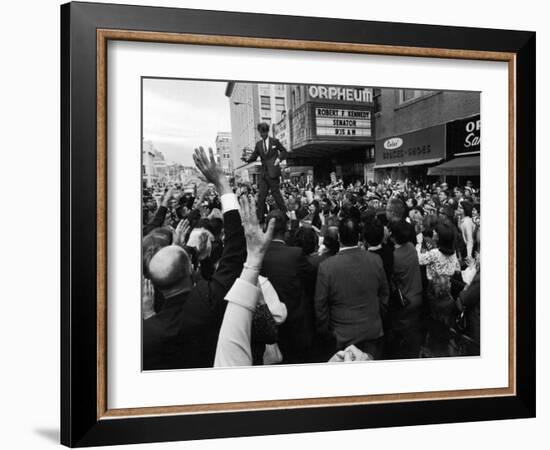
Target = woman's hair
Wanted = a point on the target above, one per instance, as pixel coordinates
(429, 223)
(445, 238)
(467, 207)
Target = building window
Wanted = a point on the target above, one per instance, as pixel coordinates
(279, 104)
(265, 104)
(407, 95)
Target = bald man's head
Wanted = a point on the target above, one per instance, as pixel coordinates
(169, 267)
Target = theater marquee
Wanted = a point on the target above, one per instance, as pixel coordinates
(342, 122)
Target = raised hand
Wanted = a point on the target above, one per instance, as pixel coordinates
(256, 240)
(147, 298)
(350, 354)
(211, 170)
(180, 232)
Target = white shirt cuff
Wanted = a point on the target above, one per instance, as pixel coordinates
(244, 294)
(229, 202)
(275, 306)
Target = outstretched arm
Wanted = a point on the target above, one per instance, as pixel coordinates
(253, 157)
(234, 340)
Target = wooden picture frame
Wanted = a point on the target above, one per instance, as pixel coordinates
(85, 417)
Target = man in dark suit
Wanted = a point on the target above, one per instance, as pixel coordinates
(184, 333)
(289, 272)
(351, 287)
(271, 153)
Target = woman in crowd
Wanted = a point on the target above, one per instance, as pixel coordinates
(441, 264)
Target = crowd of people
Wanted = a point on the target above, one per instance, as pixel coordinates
(338, 273)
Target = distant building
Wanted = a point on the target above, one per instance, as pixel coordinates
(224, 151)
(147, 158)
(250, 104)
(154, 167)
(160, 167)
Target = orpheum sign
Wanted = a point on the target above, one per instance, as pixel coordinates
(347, 94)
(464, 136)
(421, 145)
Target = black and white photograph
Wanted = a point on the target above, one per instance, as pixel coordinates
(308, 224)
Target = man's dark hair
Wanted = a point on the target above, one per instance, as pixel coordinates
(307, 239)
(400, 231)
(280, 221)
(368, 215)
(374, 232)
(349, 232)
(263, 126)
(397, 209)
(330, 240)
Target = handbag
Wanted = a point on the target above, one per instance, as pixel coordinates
(397, 299)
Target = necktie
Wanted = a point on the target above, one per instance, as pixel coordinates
(265, 146)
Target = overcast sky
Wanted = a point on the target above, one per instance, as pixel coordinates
(179, 115)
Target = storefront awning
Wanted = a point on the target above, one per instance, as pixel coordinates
(419, 162)
(461, 166)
